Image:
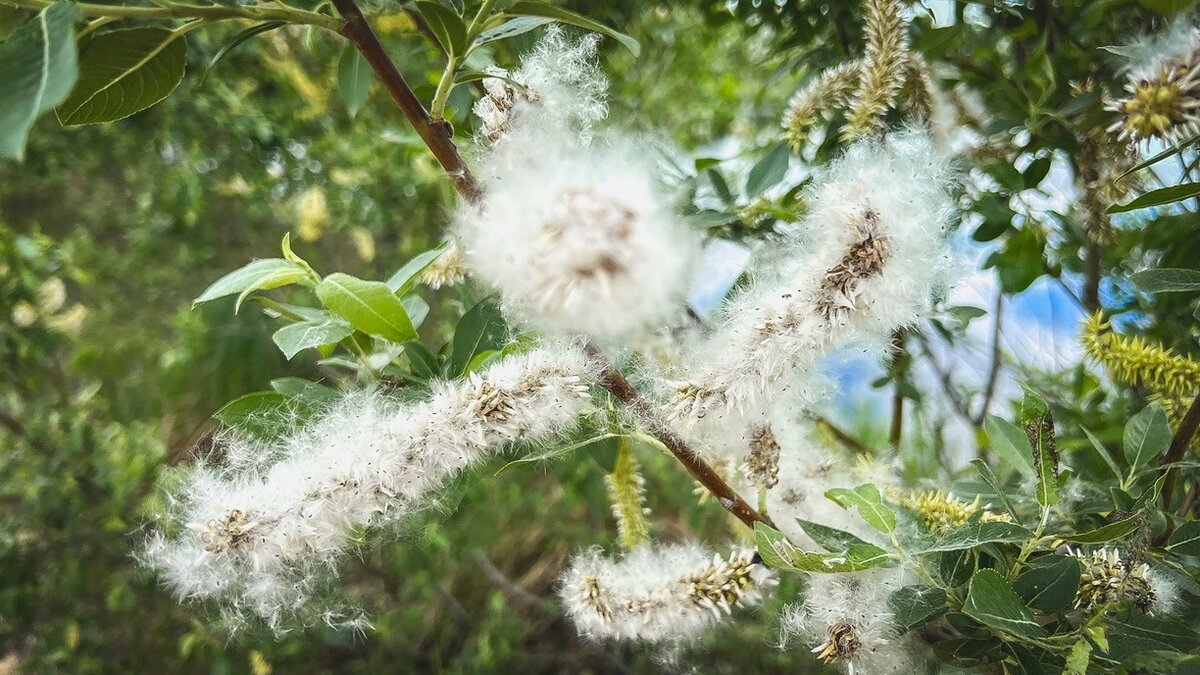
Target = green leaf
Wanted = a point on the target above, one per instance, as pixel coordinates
(406, 277)
(1147, 435)
(481, 329)
(768, 171)
(417, 309)
(447, 25)
(421, 361)
(985, 472)
(1167, 195)
(298, 387)
(297, 337)
(1185, 540)
(568, 17)
(124, 72)
(38, 68)
(263, 414)
(258, 274)
(353, 79)
(1104, 454)
(237, 40)
(869, 502)
(1137, 632)
(1011, 443)
(1039, 427)
(992, 602)
(1035, 172)
(1168, 280)
(1078, 658)
(1102, 534)
(779, 553)
(1049, 583)
(974, 534)
(511, 28)
(369, 306)
(828, 538)
(913, 606)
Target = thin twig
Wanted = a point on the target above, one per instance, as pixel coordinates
(515, 594)
(844, 437)
(437, 136)
(1183, 437)
(989, 390)
(897, 428)
(1189, 501)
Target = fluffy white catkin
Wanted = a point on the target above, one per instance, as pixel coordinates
(260, 539)
(845, 620)
(659, 593)
(875, 257)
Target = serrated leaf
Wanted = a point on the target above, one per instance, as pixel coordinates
(1011, 443)
(124, 72)
(975, 534)
(1049, 583)
(1147, 435)
(992, 602)
(768, 171)
(779, 553)
(1102, 534)
(511, 28)
(481, 329)
(247, 277)
(1078, 658)
(828, 538)
(1185, 540)
(294, 338)
(354, 79)
(38, 68)
(1167, 195)
(913, 606)
(369, 306)
(446, 24)
(1168, 280)
(568, 17)
(869, 502)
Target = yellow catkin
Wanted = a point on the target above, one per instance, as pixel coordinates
(626, 491)
(883, 70)
(1172, 379)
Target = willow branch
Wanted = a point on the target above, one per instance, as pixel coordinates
(1183, 437)
(612, 380)
(438, 137)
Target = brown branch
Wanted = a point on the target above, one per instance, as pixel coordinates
(436, 135)
(612, 380)
(844, 437)
(897, 428)
(989, 390)
(1189, 501)
(1092, 273)
(1183, 437)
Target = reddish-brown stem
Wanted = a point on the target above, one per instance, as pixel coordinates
(612, 380)
(438, 137)
(1183, 437)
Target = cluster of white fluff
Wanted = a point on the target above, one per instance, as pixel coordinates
(660, 593)
(869, 258)
(261, 538)
(557, 87)
(579, 236)
(846, 619)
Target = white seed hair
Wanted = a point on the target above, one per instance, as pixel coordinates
(662, 593)
(262, 540)
(845, 619)
(876, 258)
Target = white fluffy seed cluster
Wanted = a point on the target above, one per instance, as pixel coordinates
(871, 256)
(579, 236)
(660, 593)
(261, 539)
(846, 620)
